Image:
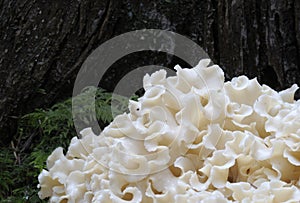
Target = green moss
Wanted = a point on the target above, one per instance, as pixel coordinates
(39, 133)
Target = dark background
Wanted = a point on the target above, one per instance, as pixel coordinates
(44, 43)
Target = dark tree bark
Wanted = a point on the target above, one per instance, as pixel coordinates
(43, 43)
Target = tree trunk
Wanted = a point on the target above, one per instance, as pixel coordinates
(43, 43)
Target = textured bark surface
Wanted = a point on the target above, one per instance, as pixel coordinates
(43, 43)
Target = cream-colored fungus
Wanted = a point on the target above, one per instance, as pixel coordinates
(190, 138)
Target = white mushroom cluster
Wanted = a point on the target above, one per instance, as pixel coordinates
(190, 138)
